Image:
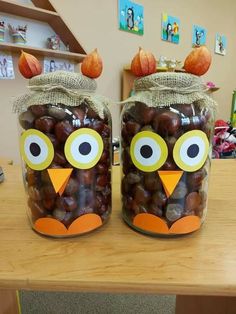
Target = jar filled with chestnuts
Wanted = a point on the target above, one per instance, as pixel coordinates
(65, 144)
(166, 135)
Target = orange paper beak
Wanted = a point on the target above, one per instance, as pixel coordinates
(59, 178)
(169, 180)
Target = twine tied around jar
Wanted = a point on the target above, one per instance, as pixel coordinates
(60, 87)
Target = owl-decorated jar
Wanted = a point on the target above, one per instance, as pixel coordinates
(65, 145)
(166, 134)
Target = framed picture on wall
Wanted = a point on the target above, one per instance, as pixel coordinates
(220, 44)
(170, 28)
(6, 67)
(52, 65)
(198, 36)
(130, 17)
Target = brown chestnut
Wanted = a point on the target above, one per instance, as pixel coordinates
(193, 201)
(45, 124)
(63, 129)
(71, 187)
(68, 203)
(166, 123)
(26, 120)
(39, 110)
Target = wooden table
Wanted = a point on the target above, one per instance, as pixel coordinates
(118, 259)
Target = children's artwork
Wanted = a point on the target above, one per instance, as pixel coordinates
(170, 28)
(6, 67)
(2, 30)
(130, 17)
(198, 36)
(220, 44)
(52, 65)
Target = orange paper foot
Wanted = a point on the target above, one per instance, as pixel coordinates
(53, 227)
(154, 224)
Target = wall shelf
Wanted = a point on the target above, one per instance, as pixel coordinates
(46, 13)
(75, 57)
(27, 11)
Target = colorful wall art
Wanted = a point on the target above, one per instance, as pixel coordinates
(170, 28)
(130, 17)
(198, 36)
(220, 44)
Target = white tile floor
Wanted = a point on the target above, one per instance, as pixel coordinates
(94, 303)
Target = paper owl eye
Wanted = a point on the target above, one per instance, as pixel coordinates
(148, 151)
(84, 148)
(36, 149)
(191, 150)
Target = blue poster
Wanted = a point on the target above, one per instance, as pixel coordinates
(198, 36)
(130, 17)
(170, 28)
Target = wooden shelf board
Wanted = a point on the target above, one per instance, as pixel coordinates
(44, 14)
(27, 11)
(44, 4)
(76, 57)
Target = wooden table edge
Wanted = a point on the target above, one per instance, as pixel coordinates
(113, 287)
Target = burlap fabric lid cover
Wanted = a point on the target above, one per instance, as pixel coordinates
(60, 87)
(168, 88)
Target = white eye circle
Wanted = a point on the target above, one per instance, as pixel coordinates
(190, 151)
(148, 151)
(83, 148)
(36, 149)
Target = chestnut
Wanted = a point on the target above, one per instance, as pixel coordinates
(132, 127)
(72, 187)
(174, 212)
(193, 201)
(45, 124)
(152, 181)
(63, 129)
(86, 176)
(34, 193)
(141, 196)
(166, 123)
(37, 209)
(57, 112)
(159, 198)
(59, 158)
(38, 110)
(26, 120)
(69, 203)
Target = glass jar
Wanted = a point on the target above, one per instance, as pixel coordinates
(65, 144)
(166, 135)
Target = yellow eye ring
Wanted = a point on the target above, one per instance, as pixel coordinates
(191, 150)
(84, 148)
(148, 151)
(36, 149)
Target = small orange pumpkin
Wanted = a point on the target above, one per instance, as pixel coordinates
(198, 61)
(92, 65)
(28, 65)
(143, 63)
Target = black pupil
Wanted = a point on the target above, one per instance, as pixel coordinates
(85, 148)
(146, 151)
(35, 149)
(193, 150)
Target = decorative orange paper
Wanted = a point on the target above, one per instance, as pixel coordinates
(59, 178)
(169, 180)
(150, 223)
(82, 224)
(154, 224)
